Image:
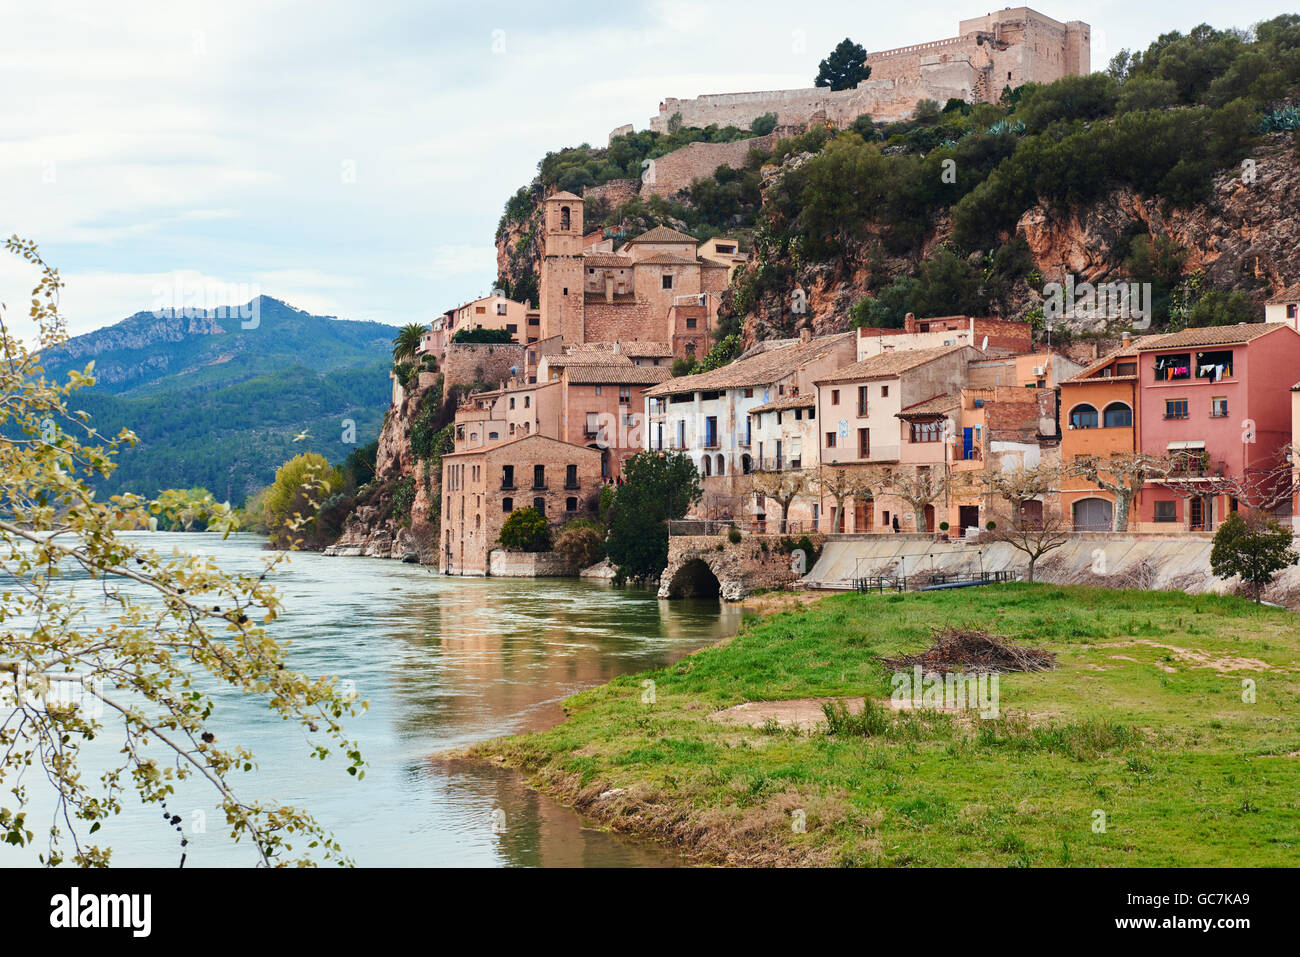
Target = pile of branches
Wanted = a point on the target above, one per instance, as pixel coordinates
(971, 650)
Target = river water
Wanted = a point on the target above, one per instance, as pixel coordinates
(443, 662)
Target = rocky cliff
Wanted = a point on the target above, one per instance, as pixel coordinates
(397, 516)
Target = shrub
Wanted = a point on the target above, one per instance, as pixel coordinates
(870, 722)
(525, 530)
(489, 336)
(581, 542)
(733, 535)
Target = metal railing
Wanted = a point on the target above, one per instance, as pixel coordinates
(747, 526)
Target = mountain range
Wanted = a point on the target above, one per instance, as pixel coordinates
(218, 405)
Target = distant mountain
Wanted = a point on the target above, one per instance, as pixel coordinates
(218, 405)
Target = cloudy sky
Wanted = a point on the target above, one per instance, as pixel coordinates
(352, 158)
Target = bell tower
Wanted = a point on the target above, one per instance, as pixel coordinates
(562, 278)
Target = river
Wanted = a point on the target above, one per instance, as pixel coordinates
(443, 662)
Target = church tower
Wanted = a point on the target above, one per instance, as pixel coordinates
(561, 289)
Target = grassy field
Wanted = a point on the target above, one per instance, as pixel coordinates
(1143, 719)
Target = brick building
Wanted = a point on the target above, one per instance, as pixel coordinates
(481, 487)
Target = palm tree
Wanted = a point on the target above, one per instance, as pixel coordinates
(407, 343)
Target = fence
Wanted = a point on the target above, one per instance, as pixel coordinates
(883, 583)
(720, 526)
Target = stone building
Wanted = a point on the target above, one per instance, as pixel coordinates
(656, 287)
(1009, 47)
(481, 487)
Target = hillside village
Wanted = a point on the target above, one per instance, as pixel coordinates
(948, 426)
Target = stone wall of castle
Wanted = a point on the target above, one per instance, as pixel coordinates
(470, 362)
(616, 192)
(676, 170)
(1008, 48)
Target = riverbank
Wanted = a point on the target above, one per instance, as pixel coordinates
(1168, 734)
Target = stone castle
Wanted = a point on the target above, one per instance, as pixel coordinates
(1008, 48)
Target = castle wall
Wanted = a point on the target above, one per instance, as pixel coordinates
(1008, 48)
(467, 363)
(676, 170)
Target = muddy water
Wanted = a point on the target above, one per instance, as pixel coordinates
(443, 663)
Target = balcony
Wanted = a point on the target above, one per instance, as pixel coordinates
(572, 486)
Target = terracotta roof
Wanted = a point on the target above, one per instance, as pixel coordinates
(479, 450)
(761, 369)
(670, 259)
(1087, 374)
(890, 364)
(564, 194)
(1289, 294)
(935, 405)
(618, 374)
(786, 402)
(662, 234)
(587, 358)
(606, 260)
(1242, 332)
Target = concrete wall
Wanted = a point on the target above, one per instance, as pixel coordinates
(504, 564)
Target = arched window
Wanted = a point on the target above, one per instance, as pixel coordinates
(1083, 417)
(1117, 415)
(746, 464)
(722, 465)
(564, 217)
(708, 465)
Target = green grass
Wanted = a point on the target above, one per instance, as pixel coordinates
(1185, 771)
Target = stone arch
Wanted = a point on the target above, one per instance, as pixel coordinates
(721, 467)
(693, 578)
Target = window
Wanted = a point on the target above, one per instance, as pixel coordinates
(1083, 417)
(681, 434)
(864, 443)
(512, 402)
(540, 504)
(539, 476)
(1175, 408)
(749, 393)
(1291, 311)
(1218, 407)
(1170, 368)
(507, 476)
(1117, 415)
(570, 476)
(597, 390)
(830, 440)
(812, 412)
(501, 308)
(927, 431)
(512, 328)
(778, 418)
(570, 504)
(528, 401)
(1126, 368)
(667, 280)
(1166, 511)
(507, 505)
(835, 396)
(711, 431)
(565, 292)
(534, 320)
(749, 429)
(690, 322)
(979, 403)
(493, 436)
(1214, 365)
(862, 400)
(884, 391)
(624, 394)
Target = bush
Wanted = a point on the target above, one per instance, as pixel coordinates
(733, 535)
(581, 542)
(526, 531)
(870, 722)
(1255, 547)
(486, 336)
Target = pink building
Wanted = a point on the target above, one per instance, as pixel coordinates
(1221, 396)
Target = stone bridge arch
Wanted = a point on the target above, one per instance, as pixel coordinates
(698, 574)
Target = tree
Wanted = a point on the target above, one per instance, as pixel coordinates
(784, 485)
(407, 341)
(525, 530)
(1035, 537)
(918, 488)
(1255, 547)
(294, 499)
(844, 68)
(581, 542)
(763, 125)
(657, 487)
(1015, 486)
(177, 630)
(842, 484)
(1123, 474)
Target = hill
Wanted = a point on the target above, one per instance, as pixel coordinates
(217, 405)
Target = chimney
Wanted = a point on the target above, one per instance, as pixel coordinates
(909, 322)
(618, 348)
(805, 334)
(1127, 338)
